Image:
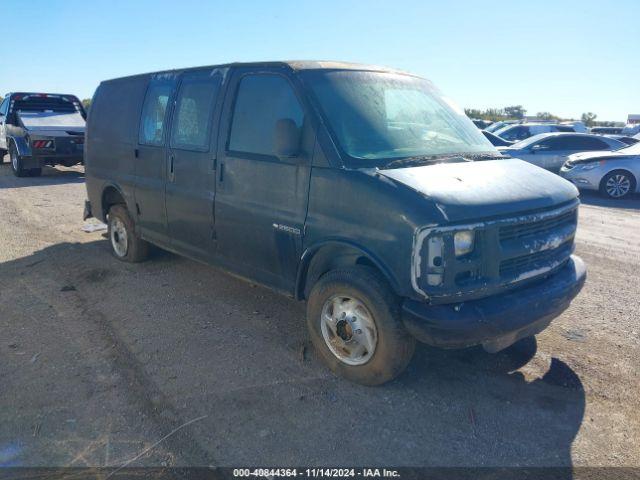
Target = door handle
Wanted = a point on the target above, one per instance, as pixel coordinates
(221, 174)
(171, 172)
(136, 152)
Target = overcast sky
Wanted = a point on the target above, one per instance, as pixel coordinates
(565, 57)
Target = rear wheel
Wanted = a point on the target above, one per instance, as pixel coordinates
(618, 184)
(16, 162)
(125, 244)
(354, 323)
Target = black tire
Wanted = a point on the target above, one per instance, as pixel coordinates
(394, 347)
(16, 162)
(3, 152)
(136, 249)
(621, 177)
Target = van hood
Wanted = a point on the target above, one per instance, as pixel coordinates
(477, 190)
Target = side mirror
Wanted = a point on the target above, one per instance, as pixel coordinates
(287, 138)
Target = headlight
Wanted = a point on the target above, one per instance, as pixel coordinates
(463, 242)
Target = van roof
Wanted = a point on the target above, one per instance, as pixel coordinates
(292, 64)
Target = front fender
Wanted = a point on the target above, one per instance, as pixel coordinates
(346, 246)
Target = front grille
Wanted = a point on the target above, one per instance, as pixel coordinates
(541, 227)
(508, 251)
(529, 265)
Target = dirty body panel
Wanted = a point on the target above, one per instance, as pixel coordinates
(463, 245)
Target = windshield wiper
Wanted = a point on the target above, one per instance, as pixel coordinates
(423, 160)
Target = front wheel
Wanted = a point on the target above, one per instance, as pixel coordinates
(618, 184)
(354, 323)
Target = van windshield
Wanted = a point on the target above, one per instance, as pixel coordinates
(377, 117)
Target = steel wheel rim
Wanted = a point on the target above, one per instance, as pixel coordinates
(14, 160)
(118, 235)
(618, 185)
(348, 329)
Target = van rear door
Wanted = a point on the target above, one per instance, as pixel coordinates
(190, 187)
(151, 156)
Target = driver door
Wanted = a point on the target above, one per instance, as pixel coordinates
(261, 198)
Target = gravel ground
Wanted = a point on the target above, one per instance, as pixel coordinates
(99, 360)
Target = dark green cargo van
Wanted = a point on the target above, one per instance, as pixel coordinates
(360, 189)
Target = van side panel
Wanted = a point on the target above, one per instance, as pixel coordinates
(111, 138)
(369, 213)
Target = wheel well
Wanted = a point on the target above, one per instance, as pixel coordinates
(329, 258)
(110, 197)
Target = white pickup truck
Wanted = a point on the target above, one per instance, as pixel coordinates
(38, 129)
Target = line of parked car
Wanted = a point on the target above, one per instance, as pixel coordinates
(595, 159)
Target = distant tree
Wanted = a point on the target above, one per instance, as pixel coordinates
(1, 98)
(86, 103)
(473, 112)
(547, 116)
(588, 118)
(515, 111)
(492, 114)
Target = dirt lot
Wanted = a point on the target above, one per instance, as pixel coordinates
(99, 360)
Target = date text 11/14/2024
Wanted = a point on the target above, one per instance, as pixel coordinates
(316, 472)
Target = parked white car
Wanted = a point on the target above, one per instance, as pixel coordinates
(551, 150)
(631, 129)
(522, 131)
(614, 174)
(577, 126)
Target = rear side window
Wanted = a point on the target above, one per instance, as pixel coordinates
(596, 144)
(153, 114)
(563, 128)
(516, 133)
(571, 142)
(194, 112)
(261, 101)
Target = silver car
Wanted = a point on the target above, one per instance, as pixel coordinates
(614, 174)
(551, 150)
